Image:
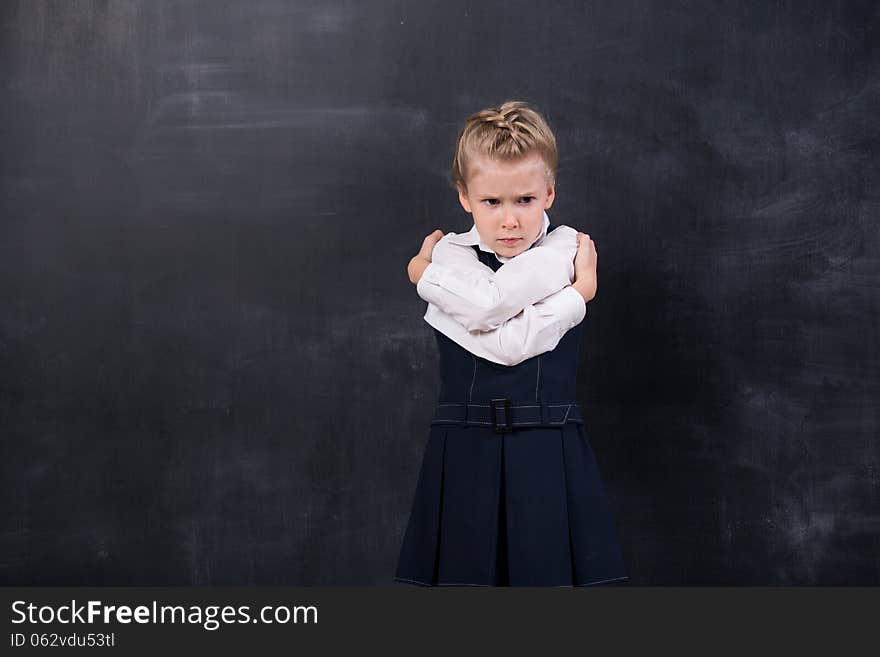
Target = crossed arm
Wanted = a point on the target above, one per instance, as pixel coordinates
(506, 316)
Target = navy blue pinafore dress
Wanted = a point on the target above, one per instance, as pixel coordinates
(509, 493)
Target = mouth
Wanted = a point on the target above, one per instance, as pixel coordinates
(509, 241)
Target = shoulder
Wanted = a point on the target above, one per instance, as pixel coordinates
(561, 235)
(447, 237)
(445, 243)
(562, 229)
(448, 250)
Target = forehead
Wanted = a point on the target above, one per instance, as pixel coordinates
(497, 177)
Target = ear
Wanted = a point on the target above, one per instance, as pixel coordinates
(462, 198)
(551, 194)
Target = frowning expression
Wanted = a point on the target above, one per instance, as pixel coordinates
(507, 201)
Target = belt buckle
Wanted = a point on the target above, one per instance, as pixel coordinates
(507, 425)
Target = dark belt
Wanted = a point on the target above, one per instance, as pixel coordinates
(503, 417)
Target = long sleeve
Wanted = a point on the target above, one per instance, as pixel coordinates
(482, 300)
(537, 328)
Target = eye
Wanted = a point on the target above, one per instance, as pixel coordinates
(490, 201)
(528, 199)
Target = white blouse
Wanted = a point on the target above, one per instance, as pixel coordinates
(507, 316)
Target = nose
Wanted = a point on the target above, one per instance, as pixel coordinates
(509, 221)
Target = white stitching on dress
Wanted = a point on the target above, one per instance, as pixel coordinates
(538, 379)
(439, 419)
(415, 581)
(602, 581)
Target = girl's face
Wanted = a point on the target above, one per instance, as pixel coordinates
(507, 201)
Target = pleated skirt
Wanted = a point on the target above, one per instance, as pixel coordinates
(525, 508)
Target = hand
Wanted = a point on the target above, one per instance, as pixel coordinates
(422, 259)
(585, 262)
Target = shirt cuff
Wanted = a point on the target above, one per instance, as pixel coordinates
(579, 305)
(431, 275)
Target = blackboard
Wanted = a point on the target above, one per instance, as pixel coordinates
(213, 369)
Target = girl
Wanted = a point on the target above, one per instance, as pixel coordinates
(508, 493)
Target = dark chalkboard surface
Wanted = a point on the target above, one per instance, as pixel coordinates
(213, 369)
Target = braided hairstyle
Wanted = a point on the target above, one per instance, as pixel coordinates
(508, 133)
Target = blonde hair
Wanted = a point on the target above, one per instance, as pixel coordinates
(508, 133)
